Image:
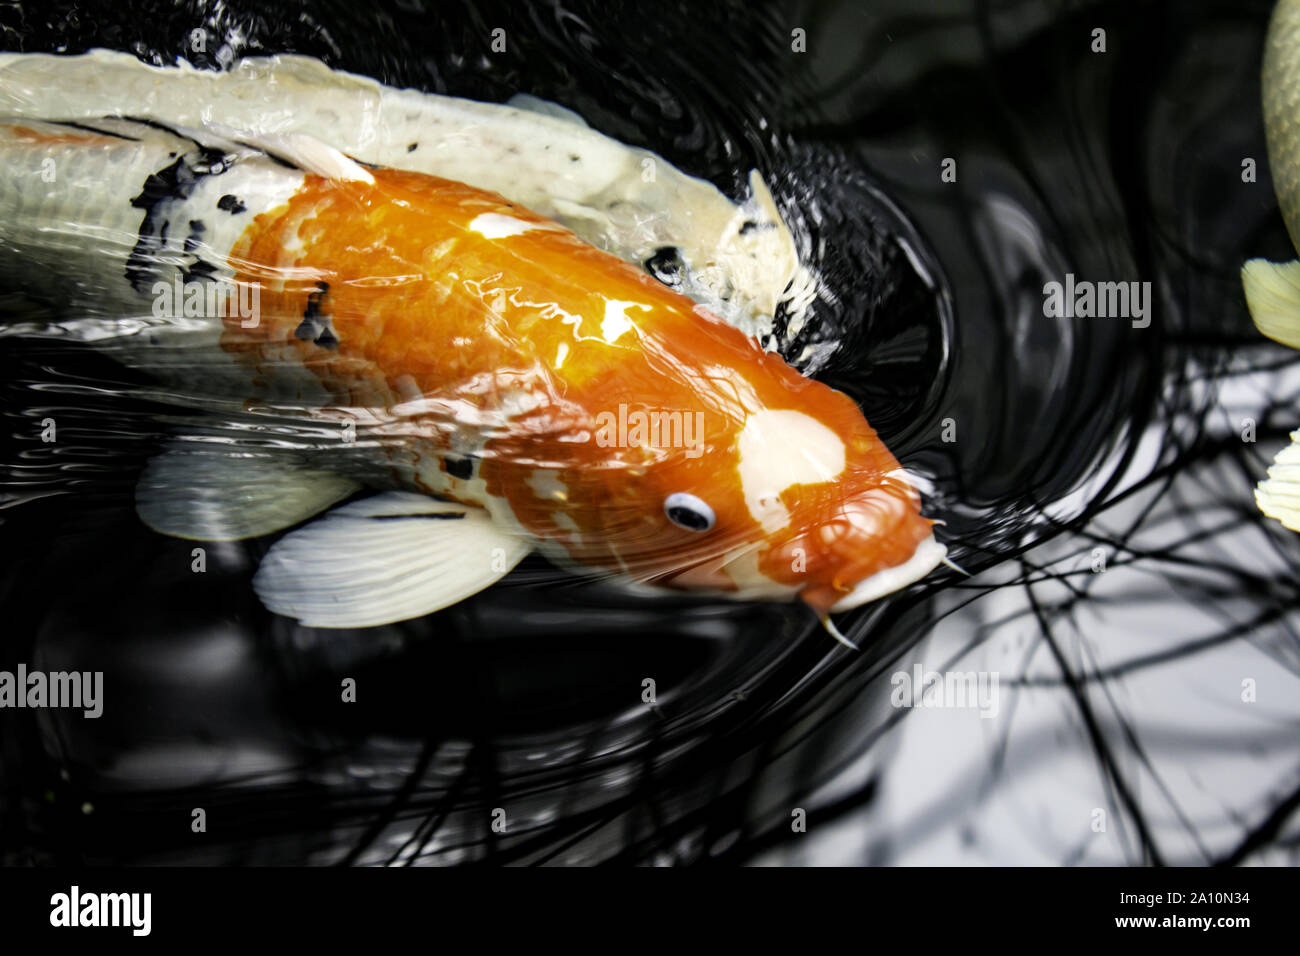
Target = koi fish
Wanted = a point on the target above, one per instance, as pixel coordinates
(513, 387)
(1273, 289)
(740, 260)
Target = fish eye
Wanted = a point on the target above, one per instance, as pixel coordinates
(687, 511)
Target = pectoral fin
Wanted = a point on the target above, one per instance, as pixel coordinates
(1278, 496)
(216, 492)
(388, 558)
(1273, 296)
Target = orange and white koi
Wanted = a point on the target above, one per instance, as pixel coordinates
(516, 387)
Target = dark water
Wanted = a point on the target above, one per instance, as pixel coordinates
(1115, 166)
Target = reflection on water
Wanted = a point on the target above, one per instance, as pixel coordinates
(1043, 441)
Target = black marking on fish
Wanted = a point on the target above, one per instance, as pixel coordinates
(440, 516)
(326, 339)
(315, 325)
(231, 204)
(666, 265)
(92, 129)
(412, 147)
(280, 160)
(272, 156)
(574, 158)
(154, 124)
(199, 270)
(213, 148)
(195, 238)
(269, 152)
(171, 184)
(462, 468)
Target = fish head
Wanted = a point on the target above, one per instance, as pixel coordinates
(723, 469)
(796, 497)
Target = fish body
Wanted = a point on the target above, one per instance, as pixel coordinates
(516, 386)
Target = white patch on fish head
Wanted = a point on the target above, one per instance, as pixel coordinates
(780, 448)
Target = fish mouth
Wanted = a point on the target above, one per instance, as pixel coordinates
(927, 556)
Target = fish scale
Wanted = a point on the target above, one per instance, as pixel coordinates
(38, 229)
(48, 224)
